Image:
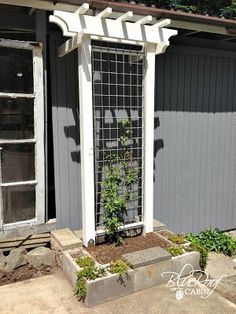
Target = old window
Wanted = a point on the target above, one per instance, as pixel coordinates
(21, 134)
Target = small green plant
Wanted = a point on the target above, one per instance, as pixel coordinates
(85, 261)
(214, 240)
(80, 289)
(175, 250)
(118, 266)
(203, 254)
(88, 272)
(177, 238)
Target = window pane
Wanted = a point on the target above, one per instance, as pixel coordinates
(16, 118)
(16, 70)
(18, 203)
(17, 162)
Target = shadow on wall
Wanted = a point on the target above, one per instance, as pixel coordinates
(158, 145)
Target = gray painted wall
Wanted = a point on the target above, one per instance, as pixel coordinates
(195, 139)
(195, 145)
(65, 115)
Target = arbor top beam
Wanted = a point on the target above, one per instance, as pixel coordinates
(103, 27)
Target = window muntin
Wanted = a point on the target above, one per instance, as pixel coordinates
(22, 136)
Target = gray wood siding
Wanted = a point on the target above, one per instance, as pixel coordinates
(195, 139)
(65, 115)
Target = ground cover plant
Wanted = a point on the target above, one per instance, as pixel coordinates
(119, 267)
(214, 240)
(88, 272)
(175, 250)
(177, 238)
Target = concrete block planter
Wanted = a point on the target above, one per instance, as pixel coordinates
(102, 289)
(178, 262)
(110, 287)
(114, 286)
(150, 275)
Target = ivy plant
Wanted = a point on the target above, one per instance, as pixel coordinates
(120, 177)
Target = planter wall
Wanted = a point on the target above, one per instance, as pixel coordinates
(114, 286)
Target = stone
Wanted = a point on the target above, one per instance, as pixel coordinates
(157, 225)
(2, 260)
(146, 257)
(15, 259)
(66, 239)
(41, 257)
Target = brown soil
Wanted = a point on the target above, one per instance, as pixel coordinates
(165, 233)
(23, 273)
(105, 253)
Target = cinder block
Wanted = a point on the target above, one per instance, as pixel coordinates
(108, 288)
(66, 239)
(147, 257)
(70, 268)
(180, 261)
(149, 276)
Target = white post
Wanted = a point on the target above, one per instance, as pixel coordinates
(86, 140)
(149, 84)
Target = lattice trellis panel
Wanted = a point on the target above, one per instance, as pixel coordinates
(118, 72)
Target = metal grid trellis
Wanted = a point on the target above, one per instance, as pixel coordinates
(118, 72)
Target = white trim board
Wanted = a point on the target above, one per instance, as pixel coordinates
(38, 96)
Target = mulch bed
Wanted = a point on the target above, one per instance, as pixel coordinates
(105, 253)
(165, 233)
(23, 273)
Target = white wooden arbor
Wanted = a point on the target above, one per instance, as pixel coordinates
(82, 28)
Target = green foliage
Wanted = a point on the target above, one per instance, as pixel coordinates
(203, 254)
(85, 261)
(118, 267)
(117, 185)
(177, 238)
(224, 8)
(88, 272)
(175, 250)
(214, 240)
(230, 11)
(80, 289)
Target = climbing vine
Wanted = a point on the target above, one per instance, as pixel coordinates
(120, 177)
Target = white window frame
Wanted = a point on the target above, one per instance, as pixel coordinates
(38, 96)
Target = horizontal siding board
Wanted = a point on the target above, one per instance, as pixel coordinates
(195, 170)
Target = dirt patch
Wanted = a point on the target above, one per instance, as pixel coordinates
(165, 233)
(23, 273)
(105, 253)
